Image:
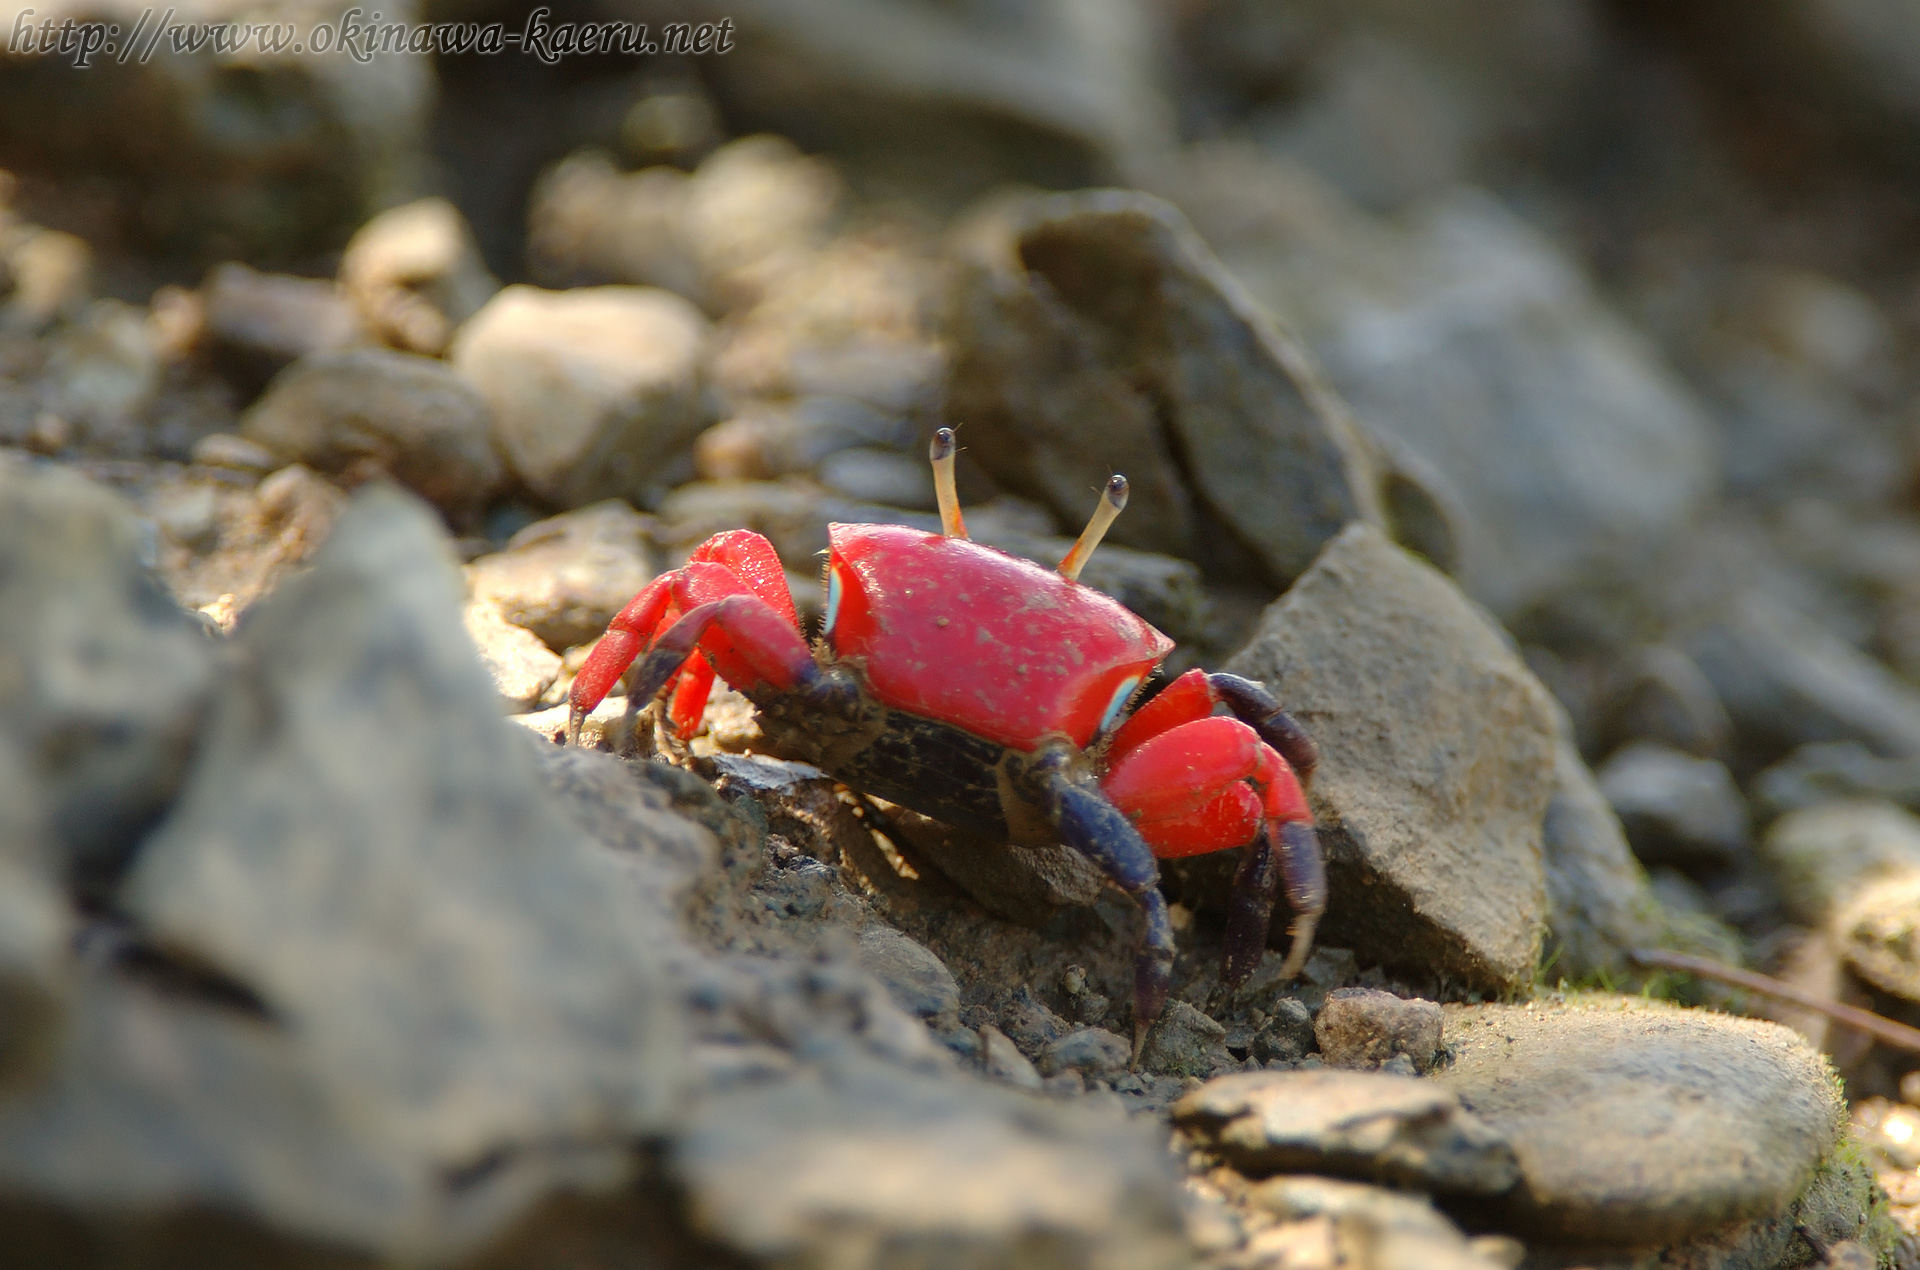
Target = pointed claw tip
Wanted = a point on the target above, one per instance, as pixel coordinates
(1117, 491)
(1300, 949)
(575, 716)
(942, 446)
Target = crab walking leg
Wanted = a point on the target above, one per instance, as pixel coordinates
(1195, 695)
(941, 453)
(1211, 784)
(1098, 830)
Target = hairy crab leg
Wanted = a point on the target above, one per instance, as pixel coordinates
(1113, 501)
(941, 453)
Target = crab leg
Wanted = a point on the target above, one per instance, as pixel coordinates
(1195, 694)
(1211, 784)
(738, 562)
(1093, 826)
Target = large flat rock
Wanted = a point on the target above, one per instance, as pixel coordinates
(1380, 1127)
(1637, 1123)
(1437, 762)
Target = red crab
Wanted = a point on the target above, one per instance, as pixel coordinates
(991, 694)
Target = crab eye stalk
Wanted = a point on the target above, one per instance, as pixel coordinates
(942, 452)
(1113, 500)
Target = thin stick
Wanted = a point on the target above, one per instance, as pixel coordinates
(941, 452)
(1113, 499)
(1879, 1027)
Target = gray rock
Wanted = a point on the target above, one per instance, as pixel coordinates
(254, 325)
(1370, 1125)
(1094, 1052)
(880, 476)
(1096, 334)
(364, 411)
(1365, 1027)
(952, 101)
(521, 666)
(36, 933)
(1660, 695)
(1823, 855)
(1437, 753)
(1468, 336)
(771, 440)
(104, 681)
(1601, 905)
(564, 578)
(723, 235)
(1186, 1042)
(633, 809)
(919, 982)
(1878, 930)
(102, 374)
(1836, 771)
(233, 451)
(365, 846)
(592, 390)
(1787, 680)
(1676, 809)
(927, 1172)
(1001, 1059)
(1637, 1123)
(1286, 1034)
(414, 273)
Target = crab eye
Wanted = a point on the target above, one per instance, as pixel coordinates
(833, 600)
(1119, 702)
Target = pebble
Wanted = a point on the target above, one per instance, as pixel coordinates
(564, 578)
(522, 667)
(1676, 809)
(1094, 1052)
(592, 390)
(1375, 1227)
(1437, 761)
(1394, 1129)
(1003, 1060)
(361, 412)
(1637, 1123)
(1286, 1034)
(414, 274)
(1822, 855)
(1878, 932)
(919, 982)
(1365, 1027)
(254, 325)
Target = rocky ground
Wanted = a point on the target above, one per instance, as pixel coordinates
(1523, 392)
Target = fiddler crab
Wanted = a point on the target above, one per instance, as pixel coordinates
(991, 694)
